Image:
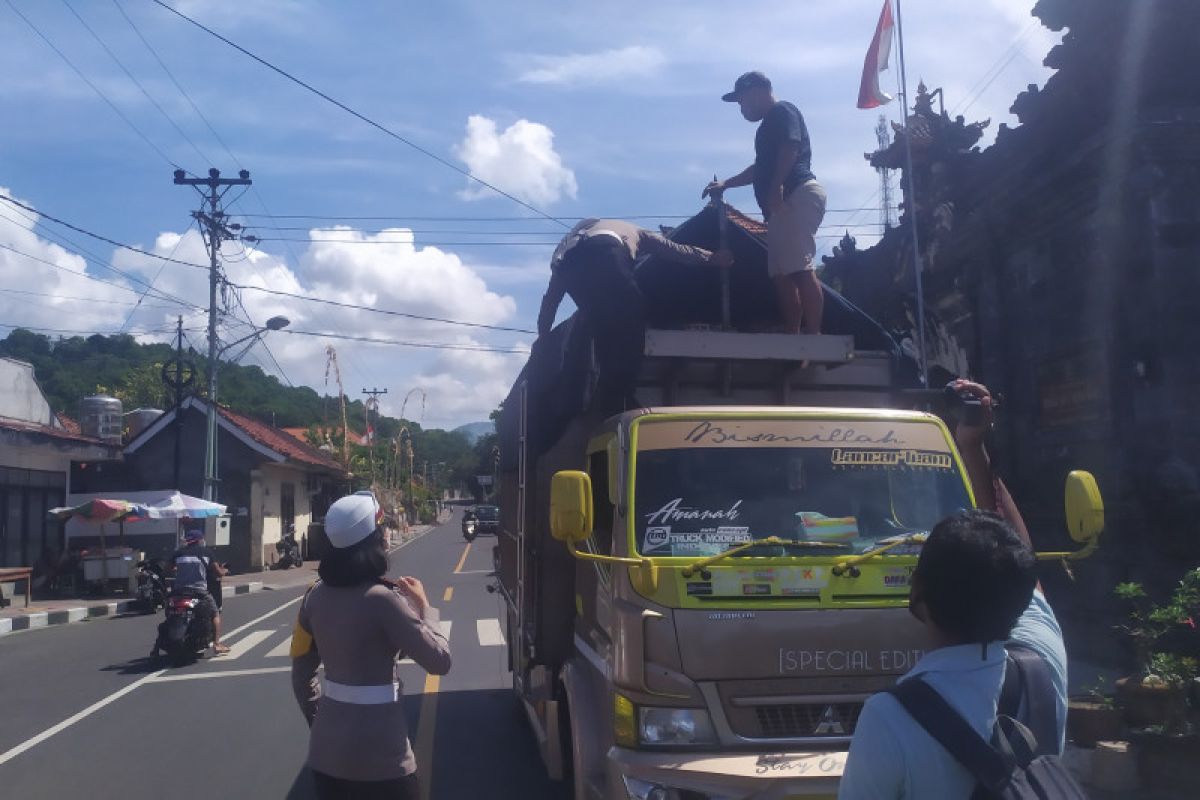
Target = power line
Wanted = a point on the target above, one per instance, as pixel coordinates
(135, 81)
(97, 236)
(403, 217)
(40, 329)
(387, 312)
(89, 257)
(84, 274)
(254, 189)
(84, 299)
(238, 296)
(429, 153)
(93, 86)
(404, 343)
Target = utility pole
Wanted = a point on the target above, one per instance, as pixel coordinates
(373, 402)
(212, 221)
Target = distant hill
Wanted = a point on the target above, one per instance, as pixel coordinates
(474, 431)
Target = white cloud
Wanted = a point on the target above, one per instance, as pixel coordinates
(521, 161)
(606, 66)
(45, 286)
(385, 270)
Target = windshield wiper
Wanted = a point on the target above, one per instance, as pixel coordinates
(692, 569)
(850, 565)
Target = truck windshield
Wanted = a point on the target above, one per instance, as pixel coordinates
(699, 501)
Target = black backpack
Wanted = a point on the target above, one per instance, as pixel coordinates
(1017, 764)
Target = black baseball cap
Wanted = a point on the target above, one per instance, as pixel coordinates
(747, 81)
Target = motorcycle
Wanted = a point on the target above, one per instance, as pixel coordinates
(289, 551)
(151, 585)
(184, 634)
(469, 529)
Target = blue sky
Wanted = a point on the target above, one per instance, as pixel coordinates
(607, 109)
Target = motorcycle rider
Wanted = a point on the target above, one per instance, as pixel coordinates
(194, 566)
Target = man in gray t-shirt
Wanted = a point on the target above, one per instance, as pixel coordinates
(194, 565)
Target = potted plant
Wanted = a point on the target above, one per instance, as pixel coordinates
(1156, 694)
(1093, 717)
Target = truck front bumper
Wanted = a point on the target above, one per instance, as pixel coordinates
(724, 776)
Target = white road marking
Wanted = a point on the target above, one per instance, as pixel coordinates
(284, 648)
(445, 628)
(71, 720)
(34, 741)
(220, 673)
(243, 645)
(489, 632)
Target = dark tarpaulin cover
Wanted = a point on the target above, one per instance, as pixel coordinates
(560, 369)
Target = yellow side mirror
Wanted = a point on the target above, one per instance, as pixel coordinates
(571, 506)
(1085, 507)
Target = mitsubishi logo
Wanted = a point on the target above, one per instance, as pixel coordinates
(830, 724)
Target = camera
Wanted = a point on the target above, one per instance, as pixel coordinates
(963, 407)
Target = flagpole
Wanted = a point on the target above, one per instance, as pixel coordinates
(912, 199)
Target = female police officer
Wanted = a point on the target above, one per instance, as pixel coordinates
(359, 624)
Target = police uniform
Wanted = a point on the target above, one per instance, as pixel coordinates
(359, 742)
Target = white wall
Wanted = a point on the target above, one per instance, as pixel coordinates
(20, 396)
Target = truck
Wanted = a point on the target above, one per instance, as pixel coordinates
(700, 593)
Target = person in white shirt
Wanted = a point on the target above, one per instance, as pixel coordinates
(975, 588)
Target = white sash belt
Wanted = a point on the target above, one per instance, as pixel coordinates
(361, 695)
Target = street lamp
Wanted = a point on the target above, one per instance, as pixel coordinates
(210, 450)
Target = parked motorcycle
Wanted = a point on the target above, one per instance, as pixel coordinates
(289, 551)
(185, 633)
(151, 585)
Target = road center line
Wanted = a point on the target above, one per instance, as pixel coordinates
(448, 594)
(463, 559)
(34, 741)
(425, 730)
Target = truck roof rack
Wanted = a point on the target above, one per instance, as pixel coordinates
(698, 366)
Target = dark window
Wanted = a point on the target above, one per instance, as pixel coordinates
(287, 505)
(602, 509)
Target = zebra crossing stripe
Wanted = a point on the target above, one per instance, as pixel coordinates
(244, 644)
(489, 632)
(284, 648)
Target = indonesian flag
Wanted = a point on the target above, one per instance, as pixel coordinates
(370, 437)
(869, 93)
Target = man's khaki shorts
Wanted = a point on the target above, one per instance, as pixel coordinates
(792, 230)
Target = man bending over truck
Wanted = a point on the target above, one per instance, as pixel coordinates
(974, 588)
(594, 264)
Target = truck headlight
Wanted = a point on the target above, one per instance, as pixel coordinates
(638, 789)
(675, 726)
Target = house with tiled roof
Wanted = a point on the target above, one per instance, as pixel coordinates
(36, 450)
(268, 478)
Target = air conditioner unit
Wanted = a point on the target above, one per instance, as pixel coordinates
(216, 530)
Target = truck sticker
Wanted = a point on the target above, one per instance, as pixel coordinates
(916, 459)
(698, 543)
(676, 511)
(787, 581)
(887, 661)
(791, 433)
(699, 588)
(710, 433)
(756, 588)
(896, 577)
(658, 536)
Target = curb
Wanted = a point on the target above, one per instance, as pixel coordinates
(63, 616)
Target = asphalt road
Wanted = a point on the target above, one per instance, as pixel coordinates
(83, 713)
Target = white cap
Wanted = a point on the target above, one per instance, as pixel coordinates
(352, 519)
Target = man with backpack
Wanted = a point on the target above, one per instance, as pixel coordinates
(946, 730)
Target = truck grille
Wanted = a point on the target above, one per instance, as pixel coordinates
(805, 720)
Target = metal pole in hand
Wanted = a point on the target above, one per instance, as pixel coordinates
(723, 228)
